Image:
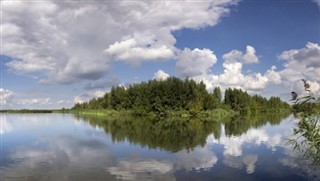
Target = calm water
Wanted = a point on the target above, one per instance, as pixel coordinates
(67, 147)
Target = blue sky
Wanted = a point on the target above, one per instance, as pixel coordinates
(54, 54)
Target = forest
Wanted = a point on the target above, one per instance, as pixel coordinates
(174, 94)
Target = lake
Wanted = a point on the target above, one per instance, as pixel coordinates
(72, 147)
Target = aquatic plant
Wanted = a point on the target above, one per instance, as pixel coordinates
(306, 136)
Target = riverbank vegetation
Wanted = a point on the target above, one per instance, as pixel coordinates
(174, 96)
(306, 136)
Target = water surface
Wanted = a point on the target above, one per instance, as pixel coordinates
(70, 147)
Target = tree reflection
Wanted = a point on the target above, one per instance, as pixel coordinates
(238, 125)
(173, 134)
(170, 134)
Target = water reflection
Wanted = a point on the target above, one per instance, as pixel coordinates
(238, 162)
(199, 158)
(58, 147)
(171, 135)
(5, 126)
(143, 170)
(176, 134)
(64, 158)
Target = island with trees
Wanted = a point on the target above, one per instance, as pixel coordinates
(174, 96)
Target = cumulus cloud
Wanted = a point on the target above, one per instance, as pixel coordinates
(308, 55)
(302, 64)
(87, 96)
(273, 76)
(5, 96)
(237, 56)
(102, 84)
(234, 77)
(250, 55)
(35, 101)
(160, 75)
(130, 51)
(65, 41)
(195, 62)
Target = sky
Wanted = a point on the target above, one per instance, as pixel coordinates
(57, 53)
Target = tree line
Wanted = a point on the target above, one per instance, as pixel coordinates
(174, 94)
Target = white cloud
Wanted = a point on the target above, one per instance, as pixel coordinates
(309, 54)
(34, 101)
(233, 76)
(130, 51)
(87, 96)
(250, 55)
(302, 64)
(160, 75)
(5, 96)
(65, 41)
(195, 62)
(273, 76)
(237, 56)
(232, 56)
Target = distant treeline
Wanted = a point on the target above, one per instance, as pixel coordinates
(306, 107)
(174, 94)
(27, 111)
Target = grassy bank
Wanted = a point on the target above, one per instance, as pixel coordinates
(212, 114)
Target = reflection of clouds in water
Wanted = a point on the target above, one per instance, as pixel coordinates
(5, 127)
(303, 167)
(295, 159)
(233, 145)
(16, 122)
(65, 158)
(238, 162)
(199, 158)
(33, 118)
(250, 161)
(143, 170)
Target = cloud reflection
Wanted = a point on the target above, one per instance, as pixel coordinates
(65, 158)
(200, 158)
(142, 170)
(5, 127)
(295, 159)
(233, 145)
(238, 162)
